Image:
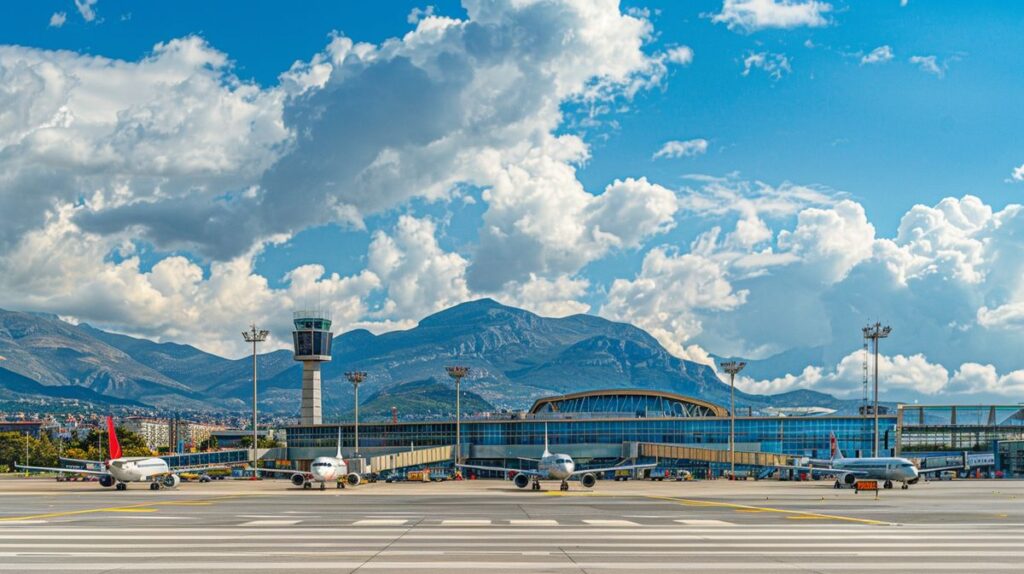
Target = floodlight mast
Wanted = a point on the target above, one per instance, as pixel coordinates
(254, 335)
(356, 377)
(732, 367)
(457, 373)
(876, 332)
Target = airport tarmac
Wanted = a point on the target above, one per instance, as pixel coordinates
(715, 526)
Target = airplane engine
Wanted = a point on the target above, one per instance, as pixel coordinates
(353, 479)
(521, 480)
(588, 480)
(171, 481)
(298, 479)
(107, 481)
(849, 479)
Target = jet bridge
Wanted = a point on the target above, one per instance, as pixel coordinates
(683, 452)
(409, 458)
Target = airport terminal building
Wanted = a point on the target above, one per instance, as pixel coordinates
(611, 425)
(605, 425)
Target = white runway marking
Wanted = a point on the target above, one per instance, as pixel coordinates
(157, 518)
(380, 522)
(468, 522)
(271, 523)
(611, 522)
(523, 522)
(704, 522)
(829, 548)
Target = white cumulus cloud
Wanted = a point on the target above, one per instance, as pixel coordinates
(684, 148)
(879, 55)
(775, 65)
(929, 64)
(682, 55)
(57, 19)
(85, 8)
(753, 15)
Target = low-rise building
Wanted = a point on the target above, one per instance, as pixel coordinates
(155, 432)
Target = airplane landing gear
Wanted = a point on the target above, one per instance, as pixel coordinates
(323, 486)
(307, 485)
(536, 485)
(564, 487)
(153, 486)
(837, 485)
(341, 484)
(905, 486)
(121, 486)
(888, 484)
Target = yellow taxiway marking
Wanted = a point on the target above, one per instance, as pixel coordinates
(142, 507)
(797, 514)
(794, 514)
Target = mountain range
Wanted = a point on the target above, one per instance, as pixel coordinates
(514, 357)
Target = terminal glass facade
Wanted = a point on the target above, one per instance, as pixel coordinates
(626, 405)
(803, 436)
(958, 428)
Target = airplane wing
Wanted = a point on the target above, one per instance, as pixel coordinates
(80, 460)
(939, 469)
(68, 470)
(527, 472)
(177, 469)
(613, 468)
(825, 470)
(287, 471)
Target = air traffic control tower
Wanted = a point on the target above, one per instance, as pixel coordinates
(312, 337)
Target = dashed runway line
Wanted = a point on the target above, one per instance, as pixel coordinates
(271, 523)
(597, 522)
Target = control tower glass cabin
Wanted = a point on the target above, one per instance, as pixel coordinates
(312, 338)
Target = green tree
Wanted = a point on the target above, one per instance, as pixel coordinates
(12, 449)
(210, 444)
(75, 452)
(263, 442)
(131, 444)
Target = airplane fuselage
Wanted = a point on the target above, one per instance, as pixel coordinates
(137, 469)
(881, 468)
(328, 469)
(556, 466)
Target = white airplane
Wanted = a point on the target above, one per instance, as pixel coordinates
(554, 467)
(849, 470)
(323, 469)
(120, 470)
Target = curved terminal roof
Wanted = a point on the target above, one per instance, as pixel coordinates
(628, 402)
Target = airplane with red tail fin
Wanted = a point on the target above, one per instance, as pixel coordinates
(119, 470)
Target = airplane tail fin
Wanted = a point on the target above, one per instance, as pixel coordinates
(115, 446)
(833, 444)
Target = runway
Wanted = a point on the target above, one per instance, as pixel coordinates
(486, 526)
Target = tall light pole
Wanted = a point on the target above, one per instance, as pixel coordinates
(457, 373)
(356, 377)
(254, 335)
(876, 332)
(732, 367)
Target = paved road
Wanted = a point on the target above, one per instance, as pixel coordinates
(967, 527)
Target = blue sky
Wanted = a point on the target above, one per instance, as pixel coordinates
(202, 162)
